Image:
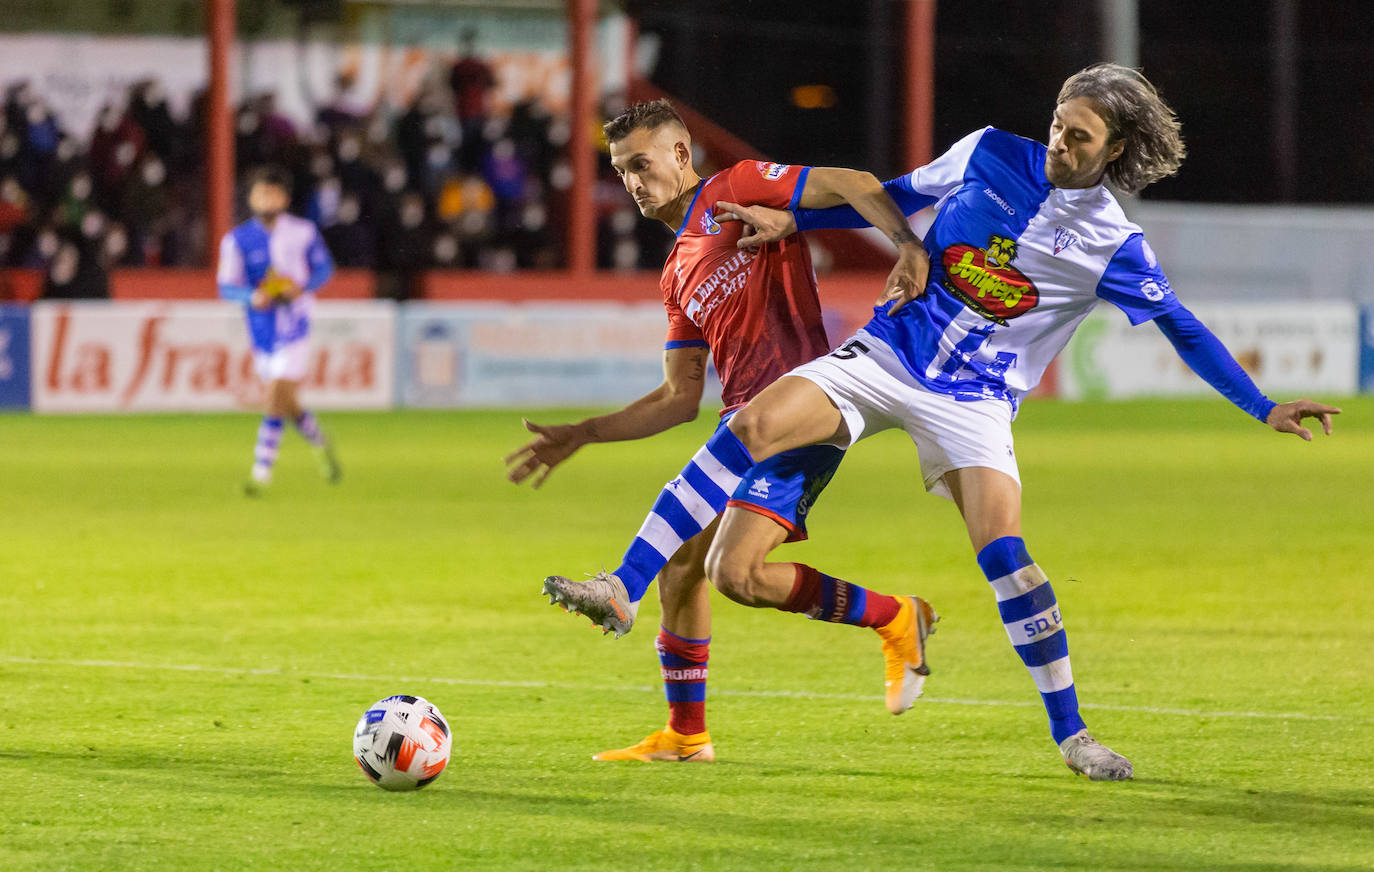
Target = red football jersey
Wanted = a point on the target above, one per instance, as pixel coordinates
(757, 311)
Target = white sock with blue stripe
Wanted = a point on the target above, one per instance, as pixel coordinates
(1030, 614)
(687, 505)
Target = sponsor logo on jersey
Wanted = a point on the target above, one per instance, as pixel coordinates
(1064, 238)
(997, 198)
(727, 280)
(772, 171)
(708, 223)
(985, 281)
(760, 488)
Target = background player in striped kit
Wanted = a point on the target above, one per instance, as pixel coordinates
(1026, 241)
(273, 264)
(758, 314)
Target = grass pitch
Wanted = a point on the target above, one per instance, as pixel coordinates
(181, 668)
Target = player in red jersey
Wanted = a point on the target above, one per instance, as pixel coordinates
(757, 313)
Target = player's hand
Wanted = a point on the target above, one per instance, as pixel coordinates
(549, 447)
(761, 224)
(260, 299)
(908, 278)
(287, 289)
(1287, 417)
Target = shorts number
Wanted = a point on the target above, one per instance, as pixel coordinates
(850, 350)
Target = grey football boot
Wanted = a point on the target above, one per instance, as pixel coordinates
(602, 598)
(1086, 756)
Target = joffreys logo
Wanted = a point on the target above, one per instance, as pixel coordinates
(985, 280)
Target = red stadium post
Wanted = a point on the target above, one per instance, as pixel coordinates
(920, 83)
(581, 230)
(631, 53)
(219, 139)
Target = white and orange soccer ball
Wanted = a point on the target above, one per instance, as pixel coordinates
(402, 743)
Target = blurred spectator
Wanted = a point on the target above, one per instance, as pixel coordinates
(76, 269)
(470, 79)
(407, 234)
(350, 237)
(145, 208)
(445, 184)
(116, 146)
(344, 111)
(149, 110)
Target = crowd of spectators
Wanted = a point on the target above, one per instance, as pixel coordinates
(440, 184)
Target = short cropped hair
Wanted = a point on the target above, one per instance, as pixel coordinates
(270, 175)
(1136, 115)
(642, 116)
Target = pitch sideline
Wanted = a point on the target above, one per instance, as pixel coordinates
(629, 688)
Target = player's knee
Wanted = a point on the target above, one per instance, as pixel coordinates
(736, 576)
(752, 429)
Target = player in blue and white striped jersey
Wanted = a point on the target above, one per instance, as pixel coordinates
(273, 264)
(1026, 240)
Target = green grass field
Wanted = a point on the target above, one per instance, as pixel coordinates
(181, 668)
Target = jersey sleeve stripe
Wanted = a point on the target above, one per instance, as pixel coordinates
(797, 191)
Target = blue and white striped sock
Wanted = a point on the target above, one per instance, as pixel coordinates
(1030, 614)
(309, 428)
(265, 451)
(686, 506)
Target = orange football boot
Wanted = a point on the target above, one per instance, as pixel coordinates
(904, 650)
(666, 744)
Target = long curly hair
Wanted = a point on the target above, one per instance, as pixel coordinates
(1136, 115)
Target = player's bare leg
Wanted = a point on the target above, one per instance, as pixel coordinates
(738, 566)
(611, 599)
(682, 643)
(789, 413)
(990, 502)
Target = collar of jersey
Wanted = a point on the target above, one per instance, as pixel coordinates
(701, 186)
(1080, 195)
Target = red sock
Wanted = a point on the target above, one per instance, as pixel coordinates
(684, 666)
(823, 598)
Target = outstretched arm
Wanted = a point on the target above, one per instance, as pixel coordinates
(833, 186)
(770, 225)
(1206, 356)
(674, 402)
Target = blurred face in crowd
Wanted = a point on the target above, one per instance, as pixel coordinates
(655, 167)
(1079, 150)
(268, 200)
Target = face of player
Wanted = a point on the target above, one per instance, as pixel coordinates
(1078, 149)
(268, 200)
(654, 166)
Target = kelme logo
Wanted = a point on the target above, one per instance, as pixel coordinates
(985, 280)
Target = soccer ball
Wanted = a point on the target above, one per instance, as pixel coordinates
(402, 743)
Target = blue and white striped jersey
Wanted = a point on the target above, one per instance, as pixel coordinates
(293, 248)
(1016, 264)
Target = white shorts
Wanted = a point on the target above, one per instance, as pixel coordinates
(287, 362)
(874, 392)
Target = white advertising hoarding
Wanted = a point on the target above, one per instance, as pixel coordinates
(1287, 348)
(531, 354)
(195, 356)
